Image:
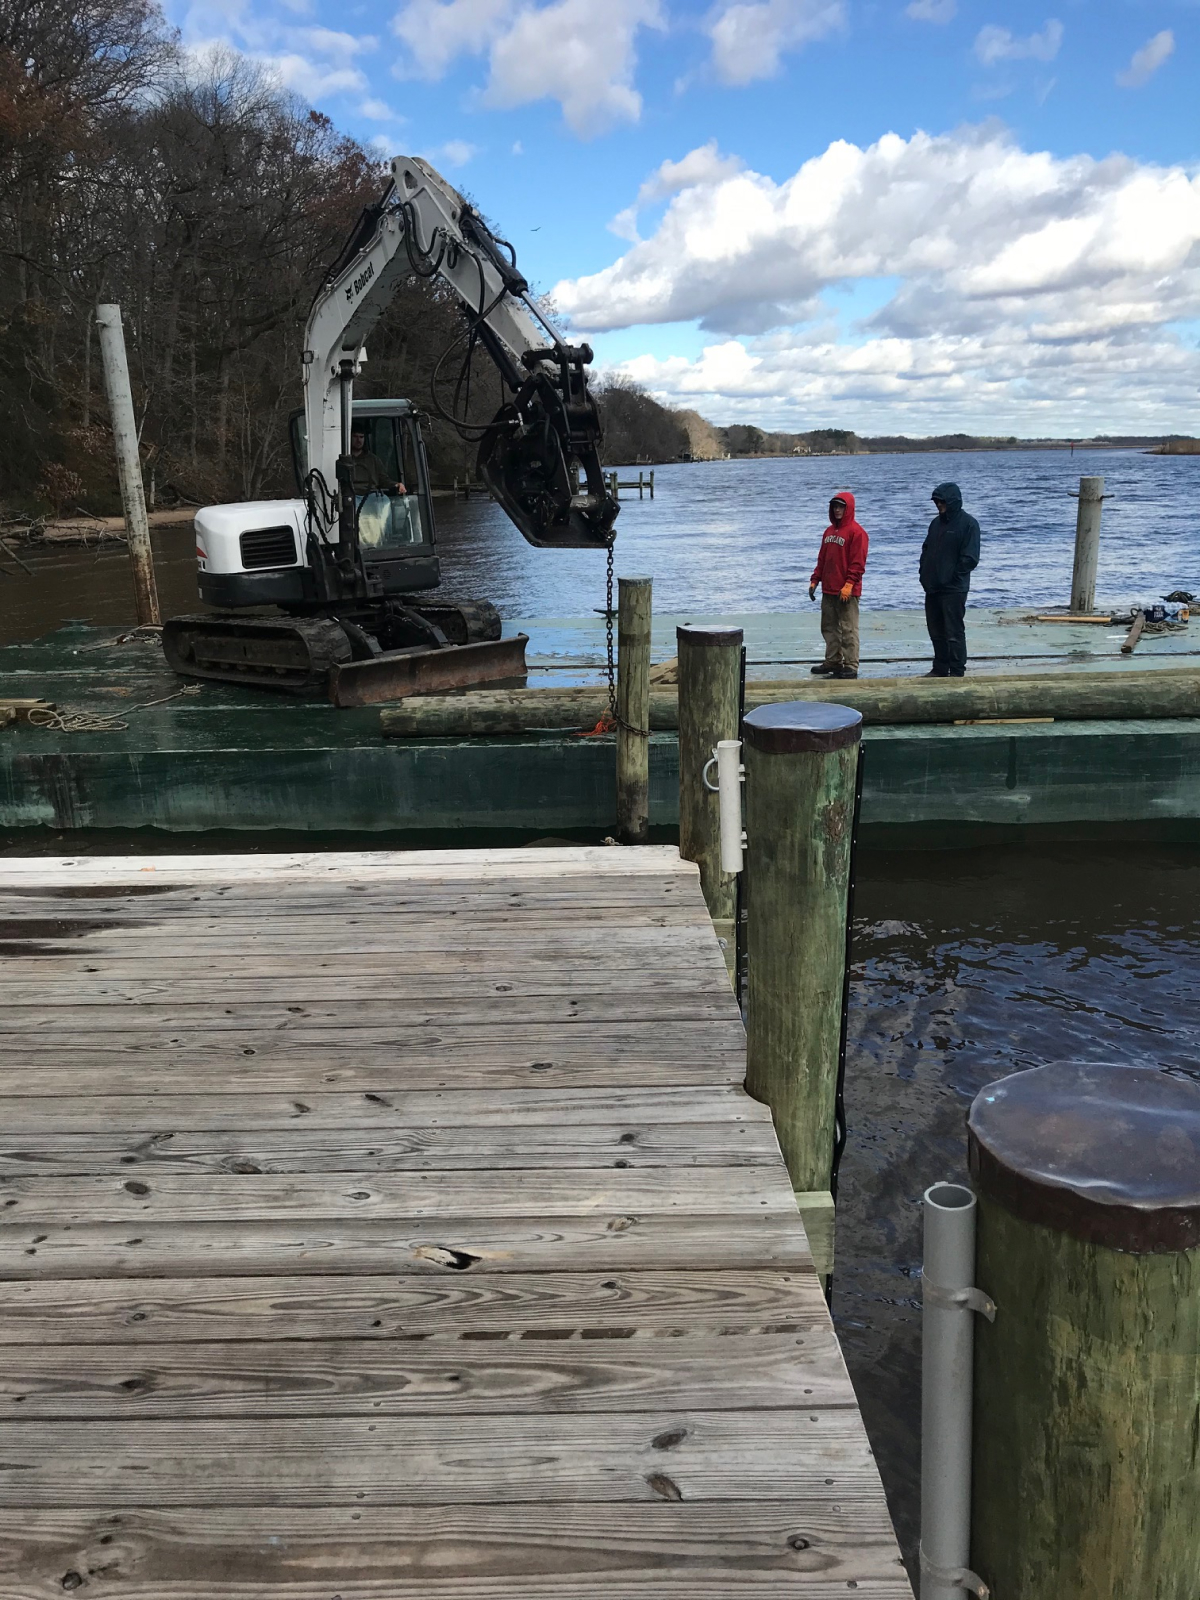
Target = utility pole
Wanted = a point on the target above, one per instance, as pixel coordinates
(129, 467)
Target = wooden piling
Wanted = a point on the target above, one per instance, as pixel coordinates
(129, 467)
(801, 760)
(710, 663)
(633, 710)
(709, 709)
(1087, 545)
(1087, 1385)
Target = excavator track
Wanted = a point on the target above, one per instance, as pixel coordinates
(295, 654)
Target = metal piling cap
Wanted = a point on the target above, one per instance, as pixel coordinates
(1107, 1153)
(796, 727)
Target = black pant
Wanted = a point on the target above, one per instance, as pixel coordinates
(945, 615)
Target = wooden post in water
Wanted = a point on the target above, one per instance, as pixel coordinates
(1087, 546)
(801, 762)
(129, 467)
(710, 672)
(633, 710)
(1087, 1385)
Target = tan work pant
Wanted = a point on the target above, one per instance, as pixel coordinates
(839, 629)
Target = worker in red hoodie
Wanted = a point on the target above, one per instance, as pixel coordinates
(839, 572)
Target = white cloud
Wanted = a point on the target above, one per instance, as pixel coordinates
(932, 10)
(380, 111)
(625, 225)
(993, 44)
(437, 32)
(703, 166)
(750, 37)
(1017, 280)
(557, 51)
(454, 153)
(560, 52)
(313, 80)
(315, 62)
(518, 148)
(1145, 62)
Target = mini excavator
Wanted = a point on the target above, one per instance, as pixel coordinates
(325, 592)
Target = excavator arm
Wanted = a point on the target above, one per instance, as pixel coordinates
(540, 455)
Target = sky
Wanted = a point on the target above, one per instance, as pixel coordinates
(897, 216)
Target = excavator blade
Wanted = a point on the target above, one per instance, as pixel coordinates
(419, 670)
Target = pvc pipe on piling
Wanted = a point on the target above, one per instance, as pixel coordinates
(729, 787)
(947, 1349)
(709, 670)
(129, 466)
(1087, 546)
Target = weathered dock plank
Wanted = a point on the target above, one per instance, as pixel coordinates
(399, 1224)
(805, 1547)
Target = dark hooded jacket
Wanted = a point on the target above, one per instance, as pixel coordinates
(951, 550)
(842, 557)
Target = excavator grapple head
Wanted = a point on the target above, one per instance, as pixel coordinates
(541, 455)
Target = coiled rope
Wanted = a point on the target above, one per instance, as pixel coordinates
(72, 719)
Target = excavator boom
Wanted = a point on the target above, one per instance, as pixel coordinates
(540, 455)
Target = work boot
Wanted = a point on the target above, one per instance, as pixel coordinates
(822, 670)
(935, 674)
(845, 672)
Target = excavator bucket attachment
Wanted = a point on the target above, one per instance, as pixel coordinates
(419, 670)
(541, 459)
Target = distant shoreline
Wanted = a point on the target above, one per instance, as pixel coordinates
(1149, 447)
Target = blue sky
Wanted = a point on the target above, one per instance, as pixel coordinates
(1022, 254)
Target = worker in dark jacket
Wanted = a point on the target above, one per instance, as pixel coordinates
(948, 557)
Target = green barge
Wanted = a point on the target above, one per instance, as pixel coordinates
(132, 748)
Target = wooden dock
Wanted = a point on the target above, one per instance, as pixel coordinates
(390, 1225)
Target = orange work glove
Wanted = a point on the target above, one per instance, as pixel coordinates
(847, 591)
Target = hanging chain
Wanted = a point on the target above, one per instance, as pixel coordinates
(608, 629)
(614, 716)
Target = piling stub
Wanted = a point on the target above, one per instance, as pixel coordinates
(1087, 546)
(633, 710)
(129, 466)
(709, 672)
(801, 759)
(1087, 1385)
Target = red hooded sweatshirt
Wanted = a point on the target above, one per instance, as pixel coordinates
(843, 555)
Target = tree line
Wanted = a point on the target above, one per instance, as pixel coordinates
(209, 204)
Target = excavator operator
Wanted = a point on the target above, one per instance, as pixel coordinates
(367, 472)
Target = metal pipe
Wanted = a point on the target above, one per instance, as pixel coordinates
(346, 397)
(129, 466)
(729, 787)
(1087, 546)
(948, 1340)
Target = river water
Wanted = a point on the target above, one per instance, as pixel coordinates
(737, 536)
(741, 536)
(968, 964)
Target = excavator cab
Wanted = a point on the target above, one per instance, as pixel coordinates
(395, 531)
